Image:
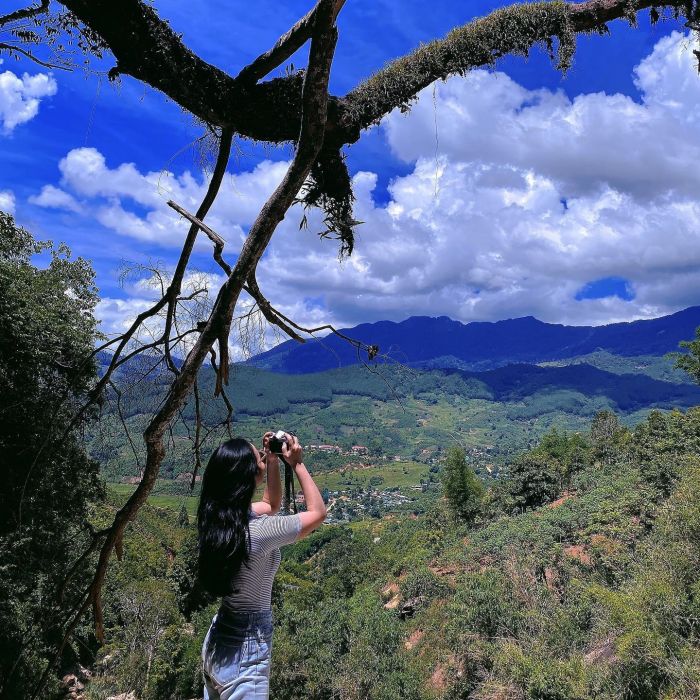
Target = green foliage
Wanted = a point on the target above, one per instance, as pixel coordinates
(690, 361)
(594, 595)
(532, 480)
(606, 435)
(155, 615)
(462, 487)
(400, 412)
(47, 333)
(183, 518)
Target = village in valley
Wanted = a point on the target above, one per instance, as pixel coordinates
(356, 499)
(363, 484)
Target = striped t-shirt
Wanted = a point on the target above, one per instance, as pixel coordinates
(252, 585)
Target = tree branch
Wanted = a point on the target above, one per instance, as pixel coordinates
(25, 13)
(203, 209)
(509, 30)
(285, 46)
(149, 50)
(214, 237)
(271, 314)
(10, 48)
(315, 100)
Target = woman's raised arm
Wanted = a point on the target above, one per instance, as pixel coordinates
(315, 512)
(272, 496)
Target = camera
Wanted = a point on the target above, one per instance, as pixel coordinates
(276, 441)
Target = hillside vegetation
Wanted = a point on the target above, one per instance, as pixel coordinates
(578, 579)
(394, 411)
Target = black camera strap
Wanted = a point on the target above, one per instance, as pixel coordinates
(289, 492)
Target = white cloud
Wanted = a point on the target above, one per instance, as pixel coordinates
(644, 149)
(533, 195)
(134, 204)
(491, 246)
(20, 97)
(7, 201)
(52, 197)
(117, 315)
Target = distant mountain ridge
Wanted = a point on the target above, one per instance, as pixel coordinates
(442, 342)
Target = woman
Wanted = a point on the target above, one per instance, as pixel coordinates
(239, 554)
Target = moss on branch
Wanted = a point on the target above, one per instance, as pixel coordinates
(510, 30)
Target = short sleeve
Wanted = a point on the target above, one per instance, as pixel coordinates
(277, 530)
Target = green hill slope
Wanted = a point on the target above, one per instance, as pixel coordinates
(592, 594)
(395, 412)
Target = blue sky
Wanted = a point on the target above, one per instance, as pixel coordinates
(512, 192)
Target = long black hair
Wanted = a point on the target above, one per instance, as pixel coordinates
(223, 514)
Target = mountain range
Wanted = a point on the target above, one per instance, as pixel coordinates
(423, 341)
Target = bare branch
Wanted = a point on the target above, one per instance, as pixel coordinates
(31, 56)
(212, 191)
(229, 406)
(285, 46)
(279, 319)
(25, 13)
(214, 237)
(272, 315)
(314, 116)
(197, 447)
(315, 97)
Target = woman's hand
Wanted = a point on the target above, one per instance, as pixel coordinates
(291, 451)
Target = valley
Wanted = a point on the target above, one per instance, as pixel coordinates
(375, 435)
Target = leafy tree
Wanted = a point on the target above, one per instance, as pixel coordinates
(568, 451)
(690, 361)
(533, 479)
(604, 427)
(462, 487)
(47, 334)
(606, 436)
(183, 518)
(147, 609)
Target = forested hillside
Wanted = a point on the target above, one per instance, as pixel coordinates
(507, 508)
(577, 578)
(567, 569)
(394, 411)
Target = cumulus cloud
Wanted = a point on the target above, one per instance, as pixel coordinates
(491, 246)
(52, 197)
(7, 201)
(20, 97)
(532, 197)
(134, 204)
(645, 148)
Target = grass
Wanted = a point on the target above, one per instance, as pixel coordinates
(166, 501)
(400, 475)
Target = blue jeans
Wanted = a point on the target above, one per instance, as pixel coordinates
(236, 656)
